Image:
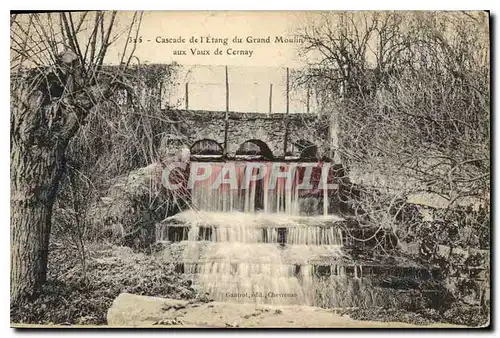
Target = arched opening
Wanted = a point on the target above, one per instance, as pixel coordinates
(303, 149)
(254, 149)
(206, 148)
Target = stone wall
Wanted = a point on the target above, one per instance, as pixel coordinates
(188, 126)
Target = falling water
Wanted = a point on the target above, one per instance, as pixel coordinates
(231, 188)
(260, 244)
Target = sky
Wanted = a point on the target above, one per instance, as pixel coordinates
(250, 76)
(245, 42)
(187, 24)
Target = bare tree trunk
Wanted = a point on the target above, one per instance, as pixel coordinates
(48, 104)
(41, 128)
(35, 174)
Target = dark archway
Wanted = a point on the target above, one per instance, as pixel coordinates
(256, 149)
(206, 147)
(304, 149)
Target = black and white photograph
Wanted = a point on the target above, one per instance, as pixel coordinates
(250, 169)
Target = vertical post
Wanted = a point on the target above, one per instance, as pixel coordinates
(186, 95)
(227, 91)
(226, 125)
(308, 98)
(287, 91)
(270, 98)
(287, 111)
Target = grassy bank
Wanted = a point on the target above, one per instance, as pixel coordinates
(72, 296)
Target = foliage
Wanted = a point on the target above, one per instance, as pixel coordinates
(466, 315)
(410, 96)
(57, 81)
(101, 121)
(119, 136)
(68, 298)
(473, 317)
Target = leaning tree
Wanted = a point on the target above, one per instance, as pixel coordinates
(57, 80)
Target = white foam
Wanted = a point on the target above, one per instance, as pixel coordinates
(246, 219)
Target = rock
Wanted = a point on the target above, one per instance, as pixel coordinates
(134, 310)
(175, 307)
(169, 322)
(142, 311)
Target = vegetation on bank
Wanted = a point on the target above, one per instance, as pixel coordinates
(473, 316)
(71, 296)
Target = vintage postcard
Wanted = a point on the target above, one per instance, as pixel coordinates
(250, 169)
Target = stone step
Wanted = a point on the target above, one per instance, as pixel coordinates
(309, 234)
(260, 253)
(387, 273)
(283, 235)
